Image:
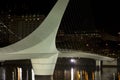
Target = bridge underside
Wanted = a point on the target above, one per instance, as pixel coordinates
(84, 55)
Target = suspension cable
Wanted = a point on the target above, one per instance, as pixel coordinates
(9, 30)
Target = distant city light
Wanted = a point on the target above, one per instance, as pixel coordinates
(119, 33)
(72, 60)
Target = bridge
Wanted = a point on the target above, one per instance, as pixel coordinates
(40, 45)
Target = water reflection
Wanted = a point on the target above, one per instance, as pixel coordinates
(68, 74)
(79, 69)
(84, 69)
(76, 74)
(72, 74)
(19, 73)
(97, 75)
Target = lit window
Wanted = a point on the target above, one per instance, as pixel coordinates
(26, 19)
(38, 18)
(11, 20)
(118, 33)
(34, 15)
(87, 45)
(22, 16)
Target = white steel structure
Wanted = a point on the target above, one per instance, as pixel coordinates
(40, 46)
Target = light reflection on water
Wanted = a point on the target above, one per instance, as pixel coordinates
(76, 74)
(72, 74)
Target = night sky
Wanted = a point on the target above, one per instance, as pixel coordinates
(107, 15)
(103, 15)
(27, 6)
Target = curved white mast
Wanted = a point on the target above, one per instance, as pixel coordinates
(41, 42)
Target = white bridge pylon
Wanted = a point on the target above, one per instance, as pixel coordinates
(39, 46)
(41, 42)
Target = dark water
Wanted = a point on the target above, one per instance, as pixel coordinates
(81, 69)
(106, 73)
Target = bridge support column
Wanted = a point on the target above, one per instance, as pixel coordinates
(2, 73)
(44, 67)
(98, 65)
(98, 72)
